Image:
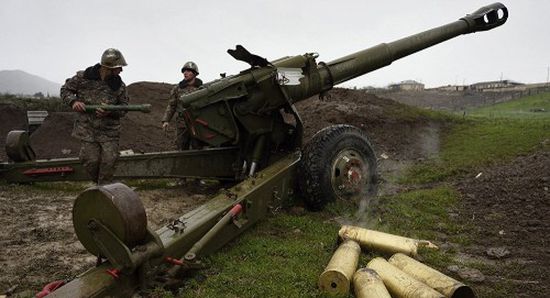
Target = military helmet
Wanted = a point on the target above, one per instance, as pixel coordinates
(192, 66)
(112, 58)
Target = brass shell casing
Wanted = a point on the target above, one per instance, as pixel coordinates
(433, 278)
(336, 278)
(368, 284)
(399, 283)
(383, 242)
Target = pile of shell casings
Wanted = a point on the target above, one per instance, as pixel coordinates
(399, 276)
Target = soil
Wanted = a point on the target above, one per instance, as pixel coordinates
(37, 241)
(397, 138)
(38, 245)
(508, 206)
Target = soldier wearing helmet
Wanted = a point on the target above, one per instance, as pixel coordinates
(98, 132)
(189, 84)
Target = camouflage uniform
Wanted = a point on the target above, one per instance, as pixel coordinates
(183, 139)
(99, 136)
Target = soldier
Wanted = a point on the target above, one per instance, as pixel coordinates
(99, 131)
(189, 83)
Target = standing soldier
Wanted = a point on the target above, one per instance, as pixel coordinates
(98, 131)
(189, 83)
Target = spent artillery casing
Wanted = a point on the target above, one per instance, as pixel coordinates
(336, 278)
(399, 283)
(433, 278)
(383, 242)
(368, 284)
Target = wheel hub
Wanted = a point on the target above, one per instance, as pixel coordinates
(349, 174)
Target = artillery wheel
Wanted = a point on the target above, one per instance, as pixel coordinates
(337, 163)
(117, 207)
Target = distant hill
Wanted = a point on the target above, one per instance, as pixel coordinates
(20, 82)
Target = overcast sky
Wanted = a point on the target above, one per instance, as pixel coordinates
(55, 38)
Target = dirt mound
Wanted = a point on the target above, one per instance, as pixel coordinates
(508, 205)
(141, 132)
(385, 121)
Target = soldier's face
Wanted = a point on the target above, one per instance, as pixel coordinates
(188, 75)
(116, 71)
(107, 72)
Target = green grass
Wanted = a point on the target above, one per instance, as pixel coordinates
(414, 114)
(281, 256)
(532, 107)
(29, 103)
(422, 214)
(473, 144)
(489, 135)
(284, 255)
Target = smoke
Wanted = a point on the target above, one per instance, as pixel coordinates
(428, 141)
(364, 216)
(390, 169)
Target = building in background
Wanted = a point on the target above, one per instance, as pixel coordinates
(408, 85)
(495, 85)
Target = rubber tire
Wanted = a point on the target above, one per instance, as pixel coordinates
(318, 156)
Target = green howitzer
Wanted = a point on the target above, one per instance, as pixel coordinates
(245, 109)
(241, 119)
(248, 120)
(144, 108)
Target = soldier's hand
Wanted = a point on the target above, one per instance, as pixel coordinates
(100, 113)
(79, 106)
(165, 126)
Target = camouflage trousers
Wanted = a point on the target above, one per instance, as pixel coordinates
(184, 140)
(182, 137)
(98, 158)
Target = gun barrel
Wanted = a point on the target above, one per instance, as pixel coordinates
(362, 62)
(144, 108)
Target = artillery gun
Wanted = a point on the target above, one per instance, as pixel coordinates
(241, 119)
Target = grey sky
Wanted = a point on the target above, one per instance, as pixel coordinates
(55, 38)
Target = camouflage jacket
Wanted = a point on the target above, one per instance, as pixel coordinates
(87, 86)
(182, 88)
